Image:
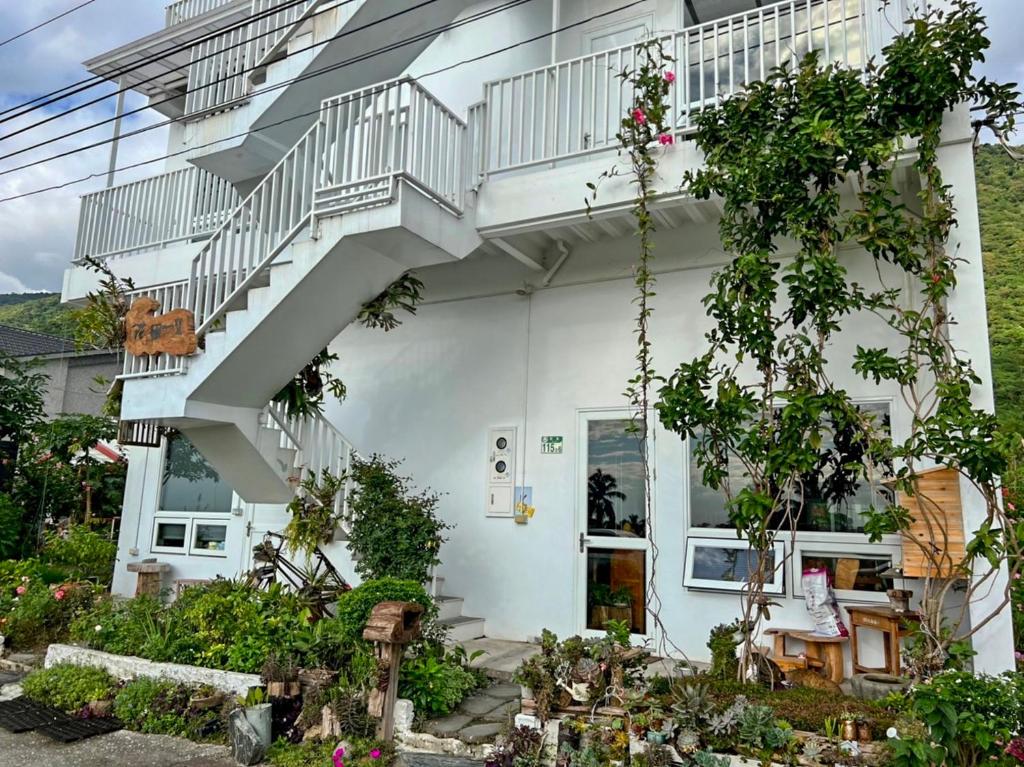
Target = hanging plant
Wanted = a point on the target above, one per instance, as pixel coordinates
(404, 293)
(314, 518)
(304, 395)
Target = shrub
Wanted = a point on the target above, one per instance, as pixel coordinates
(394, 533)
(84, 553)
(11, 515)
(41, 614)
(434, 685)
(355, 606)
(971, 717)
(359, 752)
(152, 706)
(68, 687)
(117, 626)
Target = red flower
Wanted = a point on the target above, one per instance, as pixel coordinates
(58, 594)
(1016, 749)
(639, 116)
(666, 138)
(670, 76)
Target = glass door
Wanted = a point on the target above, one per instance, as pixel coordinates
(613, 549)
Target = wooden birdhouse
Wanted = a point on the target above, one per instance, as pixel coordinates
(937, 526)
(394, 623)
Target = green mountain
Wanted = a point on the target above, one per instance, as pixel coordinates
(1001, 207)
(41, 312)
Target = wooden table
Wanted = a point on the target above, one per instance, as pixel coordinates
(821, 653)
(893, 626)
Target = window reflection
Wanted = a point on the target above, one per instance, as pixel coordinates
(615, 480)
(189, 482)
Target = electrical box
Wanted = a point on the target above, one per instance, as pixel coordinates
(501, 471)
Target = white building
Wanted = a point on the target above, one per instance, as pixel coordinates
(321, 149)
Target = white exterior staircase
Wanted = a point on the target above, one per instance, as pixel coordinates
(373, 189)
(461, 628)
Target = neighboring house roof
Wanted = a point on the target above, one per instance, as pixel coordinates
(25, 343)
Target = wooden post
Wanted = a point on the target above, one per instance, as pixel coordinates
(391, 626)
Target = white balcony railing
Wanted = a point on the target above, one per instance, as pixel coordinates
(168, 296)
(156, 211)
(574, 107)
(183, 10)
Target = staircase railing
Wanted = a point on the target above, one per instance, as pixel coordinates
(224, 68)
(320, 447)
(353, 157)
(153, 212)
(183, 10)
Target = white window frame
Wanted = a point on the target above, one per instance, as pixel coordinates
(841, 551)
(175, 519)
(214, 522)
(778, 586)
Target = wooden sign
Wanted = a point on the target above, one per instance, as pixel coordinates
(148, 334)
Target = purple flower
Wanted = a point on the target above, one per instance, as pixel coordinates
(340, 752)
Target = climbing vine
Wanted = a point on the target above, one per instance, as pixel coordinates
(762, 405)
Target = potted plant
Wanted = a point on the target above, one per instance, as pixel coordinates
(281, 677)
(608, 604)
(314, 518)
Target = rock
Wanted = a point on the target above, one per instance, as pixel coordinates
(480, 733)
(449, 726)
(478, 705)
(404, 715)
(874, 685)
(313, 733)
(101, 708)
(10, 691)
(246, 745)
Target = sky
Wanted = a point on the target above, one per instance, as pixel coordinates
(37, 233)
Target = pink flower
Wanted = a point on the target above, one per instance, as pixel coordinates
(58, 594)
(666, 138)
(1016, 749)
(340, 752)
(1010, 506)
(20, 590)
(1016, 576)
(670, 76)
(639, 116)
(375, 754)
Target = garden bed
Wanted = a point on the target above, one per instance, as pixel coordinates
(131, 667)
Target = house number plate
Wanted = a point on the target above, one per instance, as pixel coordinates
(551, 445)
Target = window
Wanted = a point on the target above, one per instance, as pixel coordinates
(615, 480)
(718, 563)
(170, 535)
(189, 482)
(208, 539)
(856, 572)
(824, 508)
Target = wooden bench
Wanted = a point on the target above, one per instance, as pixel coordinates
(822, 654)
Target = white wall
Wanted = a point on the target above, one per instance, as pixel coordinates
(428, 391)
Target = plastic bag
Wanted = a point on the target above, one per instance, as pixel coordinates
(821, 603)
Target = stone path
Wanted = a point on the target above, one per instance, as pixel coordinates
(480, 717)
(124, 749)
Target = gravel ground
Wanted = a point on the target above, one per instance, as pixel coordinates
(123, 749)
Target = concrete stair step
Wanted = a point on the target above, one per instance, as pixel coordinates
(449, 607)
(463, 628)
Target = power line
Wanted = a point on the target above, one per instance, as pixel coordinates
(93, 81)
(42, 24)
(307, 76)
(425, 75)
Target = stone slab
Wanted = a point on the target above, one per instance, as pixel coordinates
(478, 705)
(414, 759)
(447, 727)
(480, 733)
(129, 667)
(120, 749)
(504, 691)
(148, 567)
(504, 712)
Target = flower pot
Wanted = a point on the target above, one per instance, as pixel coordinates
(899, 599)
(313, 679)
(849, 730)
(283, 689)
(656, 737)
(259, 717)
(206, 702)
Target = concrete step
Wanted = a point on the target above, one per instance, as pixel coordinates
(463, 628)
(449, 607)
